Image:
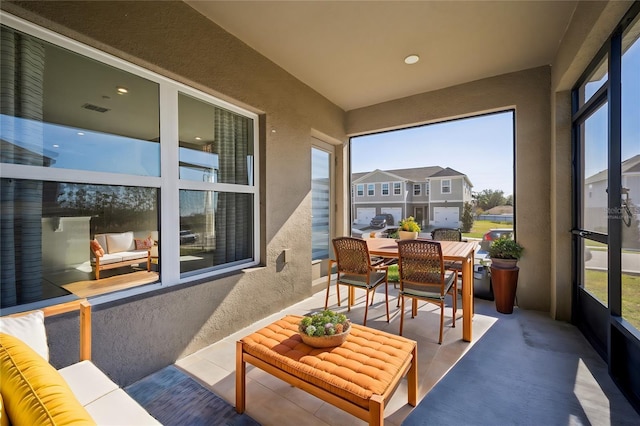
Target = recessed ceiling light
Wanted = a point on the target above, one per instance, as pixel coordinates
(198, 138)
(411, 59)
(122, 90)
(55, 145)
(80, 134)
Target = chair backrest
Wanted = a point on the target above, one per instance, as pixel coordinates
(420, 263)
(446, 234)
(352, 255)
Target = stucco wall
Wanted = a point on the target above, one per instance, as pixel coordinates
(134, 337)
(528, 93)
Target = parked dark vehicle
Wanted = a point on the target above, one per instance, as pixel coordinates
(494, 234)
(187, 237)
(381, 220)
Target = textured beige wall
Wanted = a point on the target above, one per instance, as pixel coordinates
(527, 92)
(172, 39)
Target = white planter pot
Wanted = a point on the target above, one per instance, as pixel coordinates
(407, 235)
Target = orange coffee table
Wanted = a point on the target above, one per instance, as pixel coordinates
(359, 376)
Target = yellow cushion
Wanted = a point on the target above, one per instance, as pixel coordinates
(34, 393)
(4, 420)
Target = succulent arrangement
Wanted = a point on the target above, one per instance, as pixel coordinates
(325, 323)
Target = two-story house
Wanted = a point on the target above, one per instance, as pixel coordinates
(434, 196)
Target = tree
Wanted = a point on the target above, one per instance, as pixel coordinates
(489, 198)
(467, 217)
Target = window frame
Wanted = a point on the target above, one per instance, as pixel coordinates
(371, 190)
(443, 186)
(382, 189)
(359, 190)
(168, 182)
(397, 186)
(417, 189)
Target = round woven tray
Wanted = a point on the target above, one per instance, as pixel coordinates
(325, 341)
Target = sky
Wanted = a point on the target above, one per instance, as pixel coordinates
(480, 147)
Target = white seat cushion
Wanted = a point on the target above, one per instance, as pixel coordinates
(123, 241)
(110, 258)
(30, 329)
(117, 408)
(131, 255)
(87, 382)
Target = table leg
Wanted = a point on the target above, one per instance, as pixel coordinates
(412, 379)
(240, 379)
(467, 298)
(376, 410)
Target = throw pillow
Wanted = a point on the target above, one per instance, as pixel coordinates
(96, 248)
(144, 244)
(30, 329)
(33, 391)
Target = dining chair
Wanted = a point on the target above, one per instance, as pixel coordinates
(355, 270)
(423, 277)
(449, 234)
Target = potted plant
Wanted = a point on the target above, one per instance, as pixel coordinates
(409, 229)
(504, 254)
(324, 329)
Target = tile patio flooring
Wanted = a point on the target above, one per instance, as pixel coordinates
(273, 402)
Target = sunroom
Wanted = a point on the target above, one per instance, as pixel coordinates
(169, 122)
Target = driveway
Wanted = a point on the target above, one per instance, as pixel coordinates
(630, 262)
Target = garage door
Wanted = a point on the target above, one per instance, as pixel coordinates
(395, 212)
(446, 217)
(365, 214)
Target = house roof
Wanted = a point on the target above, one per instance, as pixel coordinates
(630, 165)
(416, 174)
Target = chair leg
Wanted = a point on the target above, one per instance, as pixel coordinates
(386, 296)
(326, 299)
(366, 306)
(455, 303)
(441, 321)
(401, 314)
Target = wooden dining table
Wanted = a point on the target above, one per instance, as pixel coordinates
(456, 251)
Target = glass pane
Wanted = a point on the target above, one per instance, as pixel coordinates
(320, 203)
(630, 203)
(64, 110)
(594, 134)
(216, 229)
(216, 145)
(596, 270)
(46, 232)
(595, 81)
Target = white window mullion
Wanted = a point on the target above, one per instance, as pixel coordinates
(169, 197)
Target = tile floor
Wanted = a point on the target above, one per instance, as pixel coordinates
(271, 401)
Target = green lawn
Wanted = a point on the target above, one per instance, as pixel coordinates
(596, 284)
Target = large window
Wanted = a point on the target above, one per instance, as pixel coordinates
(89, 152)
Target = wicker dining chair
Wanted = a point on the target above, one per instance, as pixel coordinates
(449, 234)
(355, 270)
(424, 277)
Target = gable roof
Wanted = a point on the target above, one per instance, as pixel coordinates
(416, 174)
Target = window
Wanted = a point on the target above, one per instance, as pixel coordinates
(385, 189)
(321, 184)
(360, 190)
(417, 189)
(76, 165)
(371, 191)
(445, 186)
(397, 188)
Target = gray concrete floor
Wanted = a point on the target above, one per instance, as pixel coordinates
(549, 360)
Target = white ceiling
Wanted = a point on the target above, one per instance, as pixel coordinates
(352, 52)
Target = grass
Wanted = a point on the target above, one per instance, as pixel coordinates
(481, 227)
(596, 284)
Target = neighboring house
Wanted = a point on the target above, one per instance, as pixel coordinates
(434, 196)
(595, 196)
